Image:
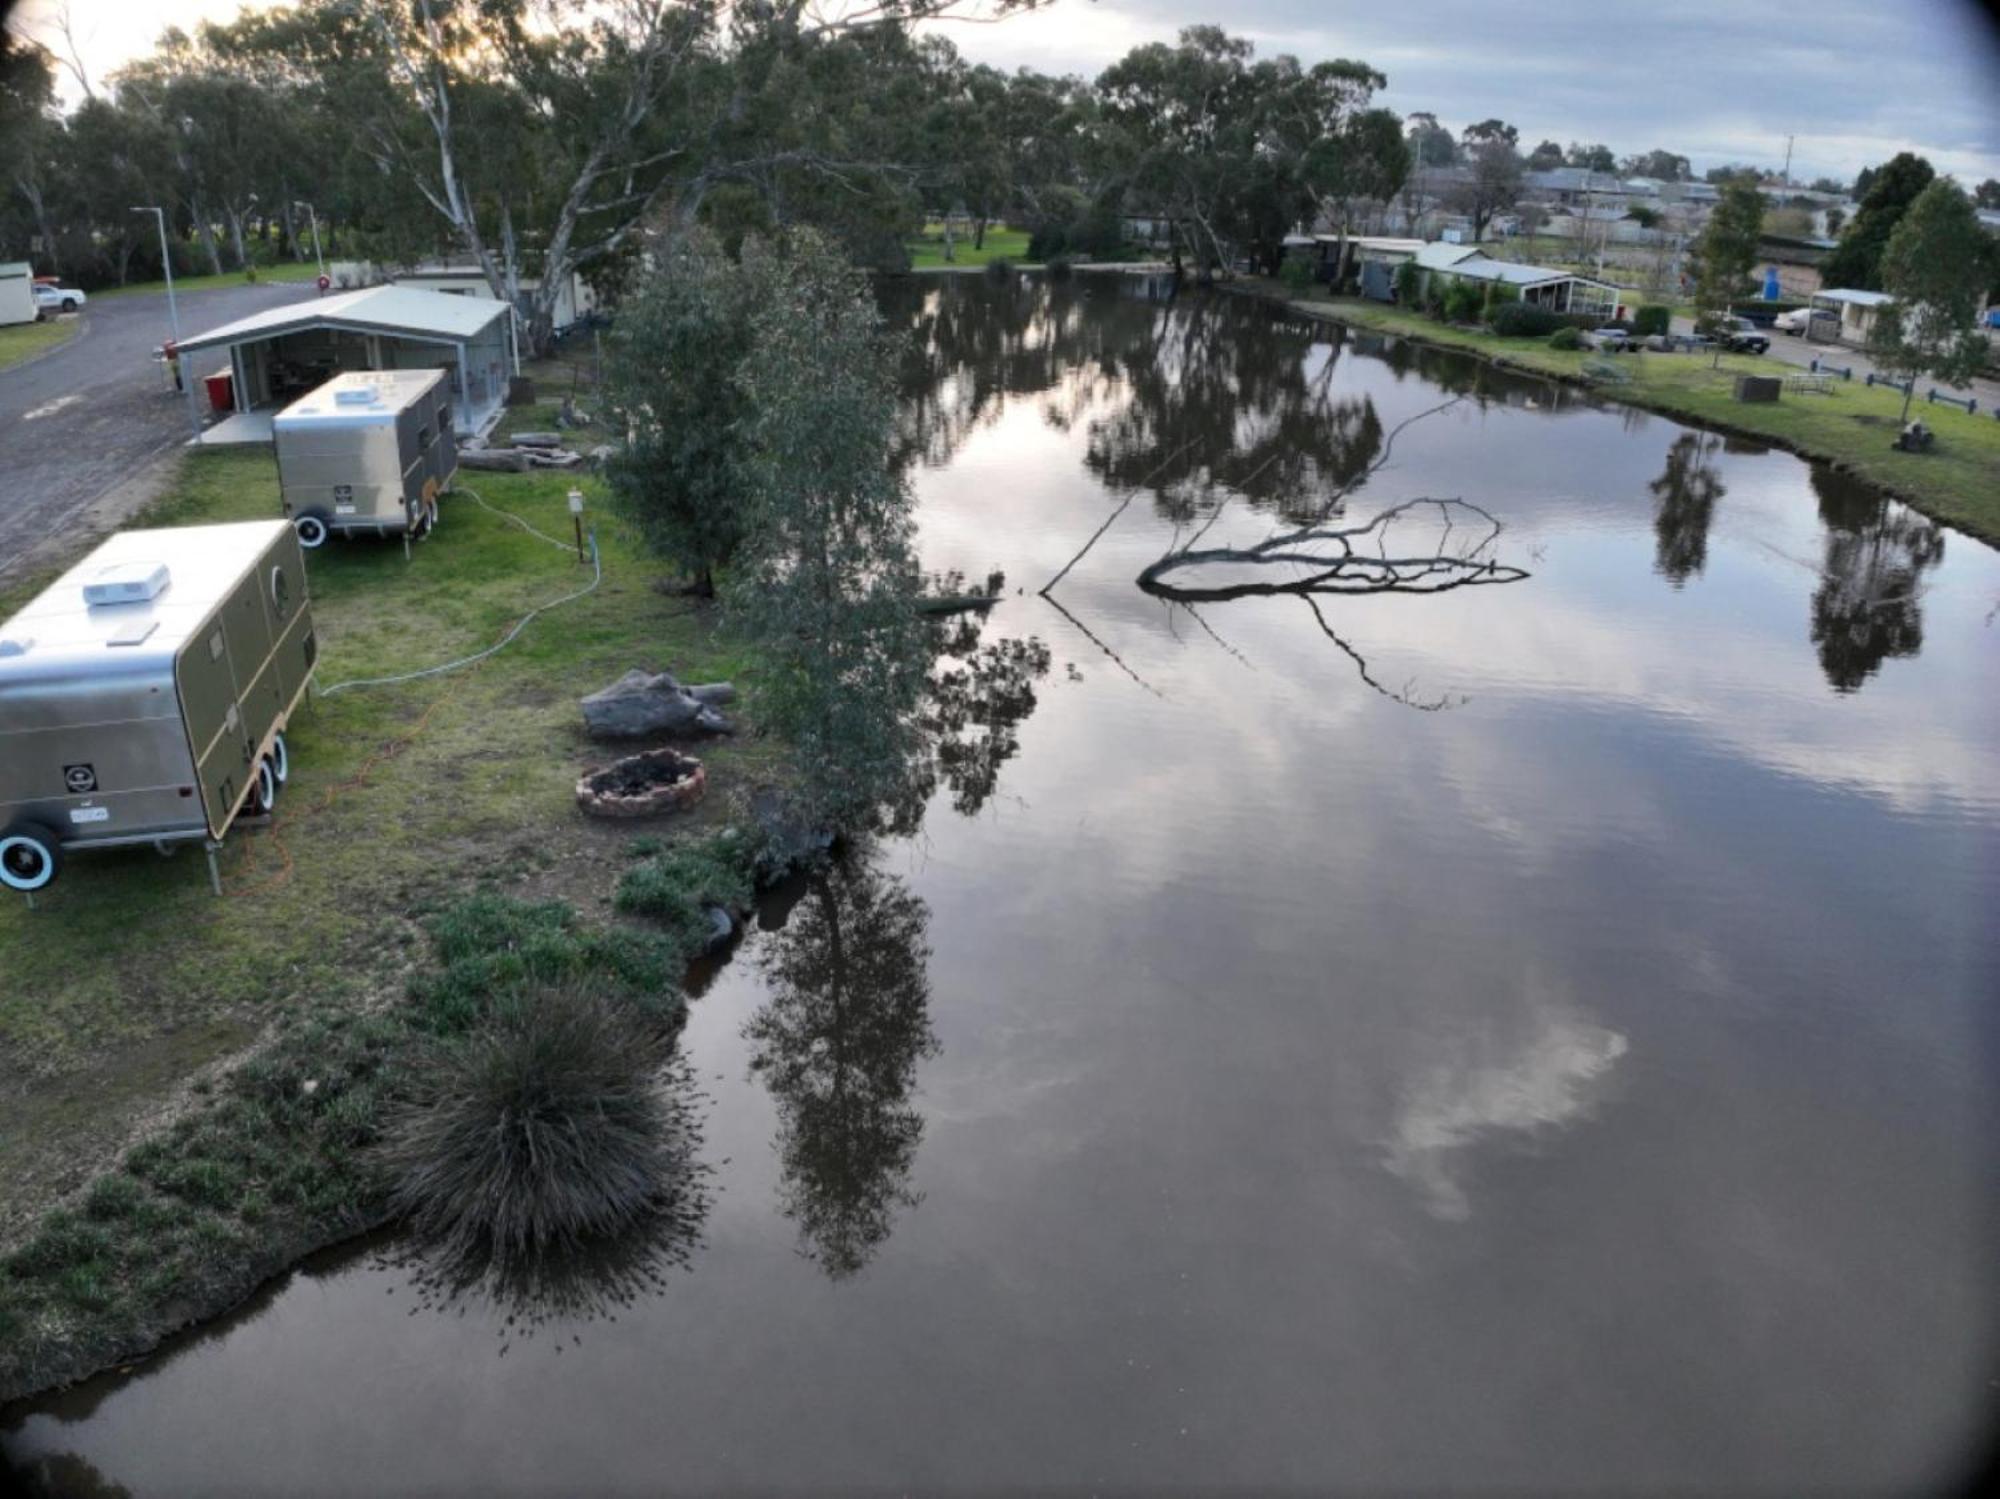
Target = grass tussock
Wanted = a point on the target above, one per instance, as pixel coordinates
(541, 1131)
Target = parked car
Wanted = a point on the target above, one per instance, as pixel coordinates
(1739, 336)
(1795, 321)
(58, 298)
(1610, 340)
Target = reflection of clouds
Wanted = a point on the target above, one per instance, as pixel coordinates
(1548, 1082)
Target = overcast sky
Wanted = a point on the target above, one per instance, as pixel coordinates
(1854, 81)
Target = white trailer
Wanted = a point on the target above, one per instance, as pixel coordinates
(17, 293)
(144, 694)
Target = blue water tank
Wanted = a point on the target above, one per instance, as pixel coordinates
(1770, 283)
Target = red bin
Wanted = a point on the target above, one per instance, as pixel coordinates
(221, 390)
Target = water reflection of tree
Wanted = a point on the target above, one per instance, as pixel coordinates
(1868, 606)
(1685, 494)
(978, 695)
(837, 1043)
(60, 1475)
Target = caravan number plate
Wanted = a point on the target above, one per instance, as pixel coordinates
(90, 814)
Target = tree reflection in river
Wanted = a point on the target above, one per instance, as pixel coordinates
(968, 725)
(837, 1043)
(1868, 606)
(1686, 493)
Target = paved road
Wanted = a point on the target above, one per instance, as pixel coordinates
(1792, 349)
(88, 421)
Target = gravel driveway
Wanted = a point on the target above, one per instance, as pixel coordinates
(83, 429)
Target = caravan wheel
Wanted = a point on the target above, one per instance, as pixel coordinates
(263, 790)
(312, 529)
(30, 857)
(281, 759)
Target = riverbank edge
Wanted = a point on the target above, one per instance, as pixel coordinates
(120, 1337)
(1975, 527)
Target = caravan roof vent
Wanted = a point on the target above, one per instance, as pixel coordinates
(365, 395)
(127, 583)
(15, 645)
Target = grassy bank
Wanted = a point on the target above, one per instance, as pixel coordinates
(25, 340)
(130, 978)
(927, 250)
(281, 1157)
(286, 271)
(1852, 426)
(130, 987)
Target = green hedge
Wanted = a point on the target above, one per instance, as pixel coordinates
(1654, 317)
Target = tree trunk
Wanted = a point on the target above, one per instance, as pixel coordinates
(979, 233)
(236, 238)
(205, 236)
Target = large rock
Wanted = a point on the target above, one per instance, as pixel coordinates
(639, 705)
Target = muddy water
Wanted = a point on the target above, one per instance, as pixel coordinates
(1533, 1035)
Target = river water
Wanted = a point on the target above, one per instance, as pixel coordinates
(1534, 1035)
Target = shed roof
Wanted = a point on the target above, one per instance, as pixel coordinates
(1384, 243)
(1858, 298)
(1441, 256)
(406, 310)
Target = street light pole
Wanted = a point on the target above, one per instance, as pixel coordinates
(174, 316)
(167, 265)
(317, 257)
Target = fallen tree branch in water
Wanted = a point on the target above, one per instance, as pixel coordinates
(1336, 563)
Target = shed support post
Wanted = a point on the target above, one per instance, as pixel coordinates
(214, 871)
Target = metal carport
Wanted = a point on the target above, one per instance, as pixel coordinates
(280, 354)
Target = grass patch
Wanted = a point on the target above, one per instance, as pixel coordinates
(25, 340)
(285, 271)
(927, 250)
(1852, 426)
(675, 884)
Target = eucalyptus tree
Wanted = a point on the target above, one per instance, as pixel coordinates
(31, 131)
(827, 580)
(679, 359)
(1936, 268)
(1186, 115)
(544, 133)
(1494, 183)
(1725, 253)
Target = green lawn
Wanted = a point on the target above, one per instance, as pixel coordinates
(129, 975)
(25, 340)
(927, 250)
(1853, 425)
(283, 271)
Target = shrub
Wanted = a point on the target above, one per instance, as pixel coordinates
(676, 885)
(1462, 301)
(542, 1131)
(1296, 272)
(1406, 283)
(1654, 317)
(1566, 338)
(1525, 320)
(999, 268)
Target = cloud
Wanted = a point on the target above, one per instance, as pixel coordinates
(1716, 80)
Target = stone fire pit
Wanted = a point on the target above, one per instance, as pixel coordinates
(646, 785)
